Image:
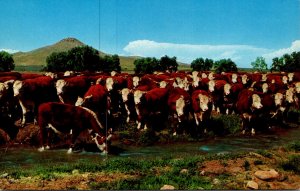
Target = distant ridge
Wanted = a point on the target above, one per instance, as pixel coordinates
(37, 57)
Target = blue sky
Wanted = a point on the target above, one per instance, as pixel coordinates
(188, 29)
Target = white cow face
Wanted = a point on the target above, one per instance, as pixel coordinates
(297, 87)
(17, 86)
(136, 81)
(264, 77)
(180, 104)
(289, 95)
(244, 79)
(113, 73)
(68, 73)
(79, 101)
(196, 81)
(162, 84)
(195, 73)
(211, 85)
(227, 88)
(60, 84)
(234, 78)
(3, 88)
(203, 75)
(125, 92)
(256, 101)
(109, 84)
(137, 96)
(278, 99)
(291, 76)
(284, 79)
(204, 101)
(211, 76)
(265, 87)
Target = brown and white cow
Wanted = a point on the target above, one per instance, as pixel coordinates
(32, 92)
(202, 106)
(150, 103)
(248, 102)
(179, 102)
(66, 119)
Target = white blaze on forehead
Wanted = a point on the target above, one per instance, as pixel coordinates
(204, 75)
(256, 101)
(227, 88)
(264, 77)
(162, 84)
(234, 78)
(297, 87)
(278, 99)
(211, 85)
(180, 103)
(265, 87)
(290, 76)
(59, 86)
(203, 102)
(289, 95)
(17, 86)
(244, 79)
(125, 92)
(135, 80)
(68, 73)
(137, 96)
(109, 84)
(285, 79)
(196, 81)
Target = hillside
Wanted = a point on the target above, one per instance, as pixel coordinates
(37, 58)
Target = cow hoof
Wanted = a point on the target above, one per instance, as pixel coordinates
(252, 132)
(41, 149)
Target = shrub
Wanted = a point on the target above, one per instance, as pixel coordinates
(293, 164)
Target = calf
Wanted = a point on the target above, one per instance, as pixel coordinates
(68, 119)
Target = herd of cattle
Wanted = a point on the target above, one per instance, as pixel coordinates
(69, 103)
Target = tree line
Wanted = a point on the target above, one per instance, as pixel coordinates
(86, 58)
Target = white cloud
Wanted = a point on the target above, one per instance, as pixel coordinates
(243, 55)
(11, 51)
(295, 47)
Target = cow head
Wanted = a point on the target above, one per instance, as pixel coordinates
(60, 84)
(227, 88)
(256, 102)
(244, 79)
(17, 86)
(204, 101)
(68, 73)
(109, 84)
(203, 75)
(125, 92)
(113, 73)
(284, 79)
(264, 77)
(3, 88)
(101, 141)
(180, 104)
(196, 81)
(265, 87)
(211, 85)
(211, 76)
(79, 101)
(195, 73)
(291, 76)
(289, 95)
(163, 84)
(278, 98)
(297, 87)
(234, 78)
(138, 96)
(136, 81)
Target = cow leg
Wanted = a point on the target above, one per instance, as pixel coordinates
(24, 112)
(196, 118)
(128, 113)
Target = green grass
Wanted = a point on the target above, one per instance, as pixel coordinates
(292, 164)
